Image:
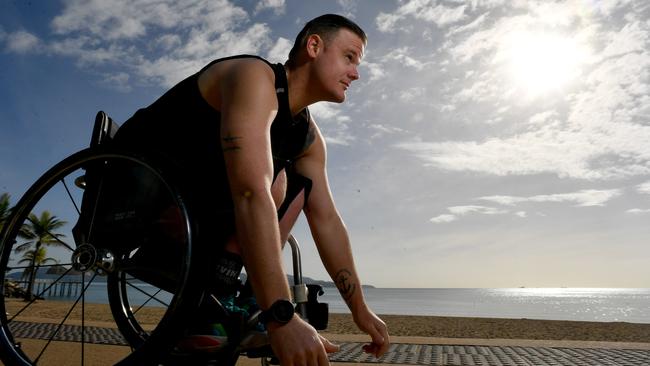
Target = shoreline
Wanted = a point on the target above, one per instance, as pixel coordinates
(500, 328)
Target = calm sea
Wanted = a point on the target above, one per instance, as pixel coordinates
(587, 304)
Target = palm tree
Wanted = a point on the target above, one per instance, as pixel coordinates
(5, 209)
(39, 232)
(35, 258)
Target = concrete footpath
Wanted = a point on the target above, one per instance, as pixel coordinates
(403, 350)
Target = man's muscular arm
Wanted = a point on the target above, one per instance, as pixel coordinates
(248, 106)
(333, 243)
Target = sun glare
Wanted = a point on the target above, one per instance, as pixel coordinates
(542, 62)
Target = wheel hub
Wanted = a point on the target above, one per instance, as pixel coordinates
(87, 257)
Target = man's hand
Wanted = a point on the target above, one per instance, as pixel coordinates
(297, 343)
(370, 323)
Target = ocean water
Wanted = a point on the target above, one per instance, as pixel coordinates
(585, 304)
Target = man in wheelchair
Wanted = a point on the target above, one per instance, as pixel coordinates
(242, 130)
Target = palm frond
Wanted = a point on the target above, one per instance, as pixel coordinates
(22, 247)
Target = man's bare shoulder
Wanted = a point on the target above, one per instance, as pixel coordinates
(235, 75)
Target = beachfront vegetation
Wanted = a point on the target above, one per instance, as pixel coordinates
(38, 232)
(35, 258)
(5, 209)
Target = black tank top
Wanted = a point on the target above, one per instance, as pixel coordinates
(184, 128)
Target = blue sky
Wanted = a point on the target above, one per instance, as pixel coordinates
(487, 144)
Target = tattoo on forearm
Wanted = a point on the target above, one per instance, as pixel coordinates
(230, 143)
(346, 288)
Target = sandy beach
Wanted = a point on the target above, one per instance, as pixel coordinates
(342, 324)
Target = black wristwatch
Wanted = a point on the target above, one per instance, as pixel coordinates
(280, 312)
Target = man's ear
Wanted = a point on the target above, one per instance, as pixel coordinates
(315, 45)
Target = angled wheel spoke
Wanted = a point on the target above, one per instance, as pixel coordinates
(83, 315)
(53, 236)
(39, 295)
(74, 203)
(65, 318)
(153, 297)
(94, 213)
(146, 302)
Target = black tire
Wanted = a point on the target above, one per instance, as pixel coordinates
(104, 225)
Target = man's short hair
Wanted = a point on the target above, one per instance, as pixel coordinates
(326, 26)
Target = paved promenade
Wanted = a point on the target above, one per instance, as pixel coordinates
(421, 351)
(494, 352)
(437, 354)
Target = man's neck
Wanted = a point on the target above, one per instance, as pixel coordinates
(300, 95)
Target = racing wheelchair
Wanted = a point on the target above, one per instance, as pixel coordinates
(125, 250)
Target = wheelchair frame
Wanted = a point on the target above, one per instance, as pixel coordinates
(118, 260)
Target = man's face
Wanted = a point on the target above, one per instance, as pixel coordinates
(338, 64)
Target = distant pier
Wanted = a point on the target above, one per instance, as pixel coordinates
(50, 288)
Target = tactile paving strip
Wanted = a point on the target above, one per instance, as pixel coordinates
(70, 333)
(405, 354)
(427, 354)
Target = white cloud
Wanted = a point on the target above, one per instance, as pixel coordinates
(631, 38)
(583, 198)
(504, 200)
(118, 81)
(386, 22)
(375, 70)
(383, 130)
(426, 10)
(170, 69)
(278, 6)
(324, 111)
(22, 42)
(401, 56)
(542, 117)
(280, 51)
(565, 154)
(227, 43)
(458, 211)
(332, 123)
(411, 94)
(595, 128)
(486, 40)
(443, 219)
(440, 14)
(168, 42)
(638, 211)
(644, 188)
(464, 210)
(349, 7)
(167, 71)
(161, 42)
(124, 19)
(472, 26)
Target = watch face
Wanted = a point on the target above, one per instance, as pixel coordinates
(283, 311)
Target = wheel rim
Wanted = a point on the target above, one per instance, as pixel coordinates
(145, 314)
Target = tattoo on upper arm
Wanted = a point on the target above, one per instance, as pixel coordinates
(346, 288)
(230, 143)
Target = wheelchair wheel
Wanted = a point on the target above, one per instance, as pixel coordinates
(98, 251)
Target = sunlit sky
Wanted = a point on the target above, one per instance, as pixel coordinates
(487, 144)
